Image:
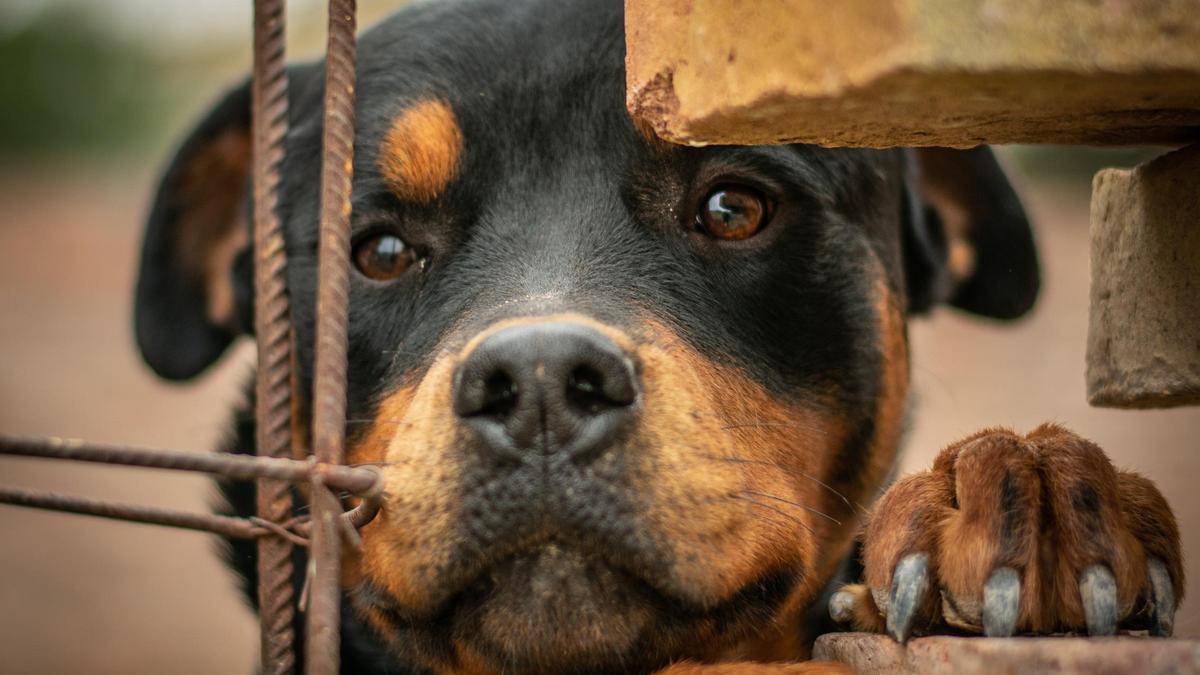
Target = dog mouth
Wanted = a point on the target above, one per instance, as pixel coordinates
(538, 571)
(550, 604)
(553, 600)
(557, 605)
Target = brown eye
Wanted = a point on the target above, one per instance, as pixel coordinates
(732, 212)
(383, 257)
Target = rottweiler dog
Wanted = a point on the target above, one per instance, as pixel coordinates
(632, 400)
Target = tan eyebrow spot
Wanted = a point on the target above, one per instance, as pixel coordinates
(421, 151)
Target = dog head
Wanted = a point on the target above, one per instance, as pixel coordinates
(628, 397)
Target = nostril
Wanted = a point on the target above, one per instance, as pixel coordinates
(589, 391)
(499, 396)
(585, 390)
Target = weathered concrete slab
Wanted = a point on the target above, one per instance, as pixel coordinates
(1144, 334)
(915, 72)
(870, 654)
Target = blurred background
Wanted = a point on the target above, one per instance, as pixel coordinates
(92, 98)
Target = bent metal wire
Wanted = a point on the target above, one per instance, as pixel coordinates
(274, 526)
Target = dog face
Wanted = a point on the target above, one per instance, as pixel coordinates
(628, 397)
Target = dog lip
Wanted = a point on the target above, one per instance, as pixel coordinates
(473, 577)
(766, 592)
(473, 581)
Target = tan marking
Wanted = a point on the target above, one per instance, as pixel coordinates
(413, 437)
(889, 416)
(213, 228)
(905, 503)
(947, 188)
(893, 398)
(716, 442)
(956, 221)
(892, 403)
(218, 272)
(300, 425)
(421, 152)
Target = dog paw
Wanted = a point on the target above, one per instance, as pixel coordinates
(1015, 534)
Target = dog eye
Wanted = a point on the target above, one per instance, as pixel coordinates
(383, 257)
(732, 212)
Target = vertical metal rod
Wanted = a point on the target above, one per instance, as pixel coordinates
(272, 326)
(329, 388)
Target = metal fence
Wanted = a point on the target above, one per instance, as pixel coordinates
(275, 471)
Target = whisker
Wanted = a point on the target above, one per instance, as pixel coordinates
(853, 507)
(409, 352)
(394, 420)
(785, 514)
(382, 464)
(792, 503)
(742, 460)
(771, 425)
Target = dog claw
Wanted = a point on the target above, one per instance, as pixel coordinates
(1162, 594)
(1001, 602)
(841, 607)
(910, 582)
(1098, 591)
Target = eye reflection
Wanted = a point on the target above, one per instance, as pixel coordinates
(383, 257)
(732, 212)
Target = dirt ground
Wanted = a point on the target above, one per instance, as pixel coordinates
(86, 595)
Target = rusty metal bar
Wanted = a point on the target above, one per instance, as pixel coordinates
(272, 326)
(226, 526)
(323, 641)
(360, 480)
(297, 530)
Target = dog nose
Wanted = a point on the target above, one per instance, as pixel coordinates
(554, 387)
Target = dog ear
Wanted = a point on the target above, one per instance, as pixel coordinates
(966, 238)
(195, 283)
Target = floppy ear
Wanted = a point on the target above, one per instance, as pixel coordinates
(966, 238)
(195, 283)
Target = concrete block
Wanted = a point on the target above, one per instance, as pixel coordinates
(915, 72)
(1144, 333)
(870, 654)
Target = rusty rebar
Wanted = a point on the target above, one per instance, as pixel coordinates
(297, 529)
(358, 480)
(226, 526)
(329, 390)
(272, 326)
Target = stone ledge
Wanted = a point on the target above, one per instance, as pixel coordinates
(915, 72)
(870, 654)
(1143, 346)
